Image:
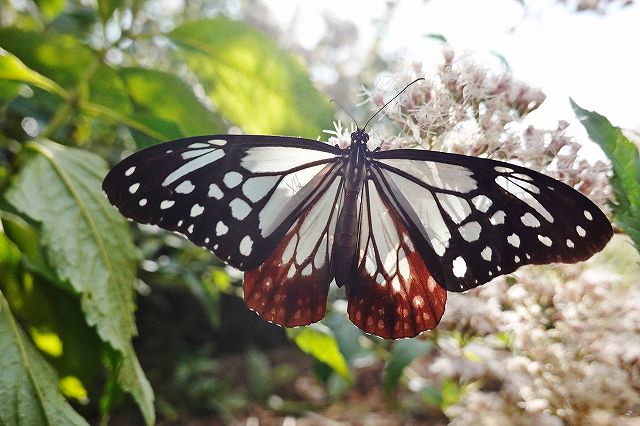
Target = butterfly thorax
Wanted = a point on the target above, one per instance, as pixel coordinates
(346, 236)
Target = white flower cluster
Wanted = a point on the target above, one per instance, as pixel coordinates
(462, 108)
(548, 345)
(553, 346)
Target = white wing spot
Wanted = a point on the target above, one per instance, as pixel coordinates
(545, 240)
(486, 253)
(530, 220)
(456, 207)
(292, 271)
(133, 188)
(215, 247)
(143, 202)
(470, 231)
(403, 267)
(528, 255)
(580, 230)
(165, 204)
(232, 179)
(431, 283)
(570, 243)
(246, 245)
(307, 270)
(395, 284)
(521, 191)
(588, 215)
(501, 169)
(498, 268)
(459, 267)
(256, 188)
(192, 165)
(215, 192)
(130, 171)
(185, 187)
(498, 218)
(288, 250)
(418, 301)
(514, 240)
(180, 222)
(522, 177)
(516, 259)
(196, 210)
(190, 229)
(199, 145)
(239, 208)
(380, 279)
(221, 228)
(482, 203)
(219, 142)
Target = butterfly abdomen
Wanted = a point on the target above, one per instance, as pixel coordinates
(347, 231)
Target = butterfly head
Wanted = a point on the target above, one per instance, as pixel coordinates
(359, 137)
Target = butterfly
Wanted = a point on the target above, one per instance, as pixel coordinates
(397, 228)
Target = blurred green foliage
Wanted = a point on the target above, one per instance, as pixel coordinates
(625, 163)
(78, 86)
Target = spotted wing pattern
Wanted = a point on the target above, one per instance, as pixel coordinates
(392, 293)
(290, 288)
(236, 195)
(473, 219)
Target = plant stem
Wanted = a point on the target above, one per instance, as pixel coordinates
(70, 103)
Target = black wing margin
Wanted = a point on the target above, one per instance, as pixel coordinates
(474, 219)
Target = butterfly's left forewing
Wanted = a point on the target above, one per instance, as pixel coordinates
(234, 194)
(473, 219)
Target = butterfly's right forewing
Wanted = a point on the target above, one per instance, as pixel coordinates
(236, 195)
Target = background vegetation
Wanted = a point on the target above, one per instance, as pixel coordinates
(102, 321)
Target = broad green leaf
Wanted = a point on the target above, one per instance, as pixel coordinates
(60, 58)
(88, 244)
(625, 161)
(252, 82)
(8, 90)
(29, 389)
(25, 237)
(319, 342)
(107, 7)
(12, 69)
(170, 99)
(50, 8)
(402, 353)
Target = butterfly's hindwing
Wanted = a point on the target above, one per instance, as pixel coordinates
(474, 219)
(236, 195)
(290, 288)
(392, 292)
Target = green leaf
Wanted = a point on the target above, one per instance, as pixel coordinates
(402, 354)
(625, 161)
(60, 58)
(12, 69)
(319, 342)
(29, 388)
(252, 82)
(50, 8)
(25, 237)
(107, 7)
(8, 91)
(169, 98)
(88, 244)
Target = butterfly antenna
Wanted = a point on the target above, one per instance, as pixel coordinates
(342, 108)
(385, 105)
